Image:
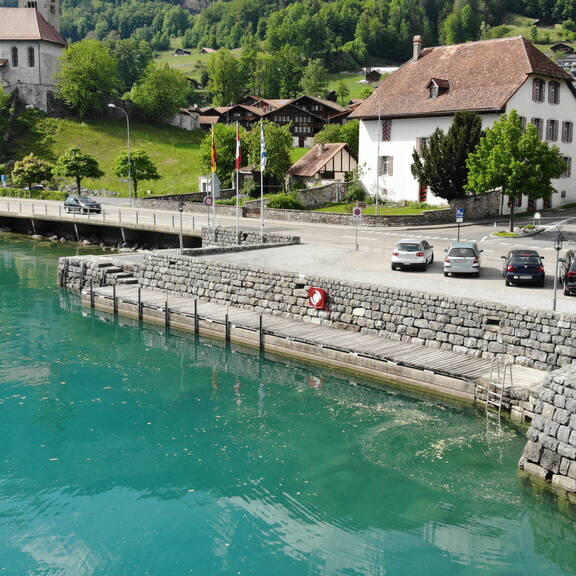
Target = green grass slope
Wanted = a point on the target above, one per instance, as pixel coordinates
(174, 151)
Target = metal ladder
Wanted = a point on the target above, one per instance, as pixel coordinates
(500, 378)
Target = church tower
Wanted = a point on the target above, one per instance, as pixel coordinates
(50, 10)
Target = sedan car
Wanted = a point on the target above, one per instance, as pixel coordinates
(568, 273)
(462, 258)
(412, 253)
(523, 267)
(82, 205)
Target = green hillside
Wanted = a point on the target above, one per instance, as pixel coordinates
(174, 151)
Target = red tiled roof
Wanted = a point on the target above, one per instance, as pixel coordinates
(482, 76)
(3, 62)
(313, 161)
(27, 24)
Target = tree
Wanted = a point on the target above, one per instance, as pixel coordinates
(314, 80)
(441, 163)
(278, 148)
(78, 165)
(133, 57)
(514, 160)
(139, 168)
(348, 133)
(225, 142)
(226, 82)
(343, 93)
(88, 77)
(5, 112)
(161, 92)
(29, 170)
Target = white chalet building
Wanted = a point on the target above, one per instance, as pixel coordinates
(491, 77)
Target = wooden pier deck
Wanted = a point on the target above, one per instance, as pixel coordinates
(440, 371)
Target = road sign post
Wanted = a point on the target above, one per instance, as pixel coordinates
(357, 217)
(459, 220)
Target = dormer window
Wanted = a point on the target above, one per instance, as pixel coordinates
(437, 86)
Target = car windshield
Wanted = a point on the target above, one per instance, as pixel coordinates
(525, 261)
(462, 252)
(85, 199)
(405, 247)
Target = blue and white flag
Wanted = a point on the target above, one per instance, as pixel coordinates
(263, 154)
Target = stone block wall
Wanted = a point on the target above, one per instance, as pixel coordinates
(550, 453)
(542, 340)
(226, 236)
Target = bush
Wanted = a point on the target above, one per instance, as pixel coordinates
(35, 194)
(355, 193)
(284, 202)
(251, 189)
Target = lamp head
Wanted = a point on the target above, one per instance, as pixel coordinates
(558, 242)
(111, 105)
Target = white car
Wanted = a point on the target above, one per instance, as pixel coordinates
(412, 253)
(462, 258)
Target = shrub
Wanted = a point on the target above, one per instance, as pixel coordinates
(355, 193)
(284, 202)
(227, 202)
(251, 189)
(36, 194)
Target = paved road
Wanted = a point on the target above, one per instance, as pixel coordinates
(330, 250)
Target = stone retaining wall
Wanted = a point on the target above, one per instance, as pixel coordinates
(543, 340)
(550, 453)
(226, 236)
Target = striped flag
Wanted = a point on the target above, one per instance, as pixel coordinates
(238, 148)
(213, 155)
(263, 154)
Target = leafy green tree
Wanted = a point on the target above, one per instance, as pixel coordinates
(133, 57)
(343, 93)
(441, 163)
(348, 133)
(314, 80)
(226, 82)
(140, 168)
(88, 77)
(76, 164)
(514, 160)
(278, 148)
(225, 142)
(5, 107)
(288, 66)
(31, 169)
(161, 92)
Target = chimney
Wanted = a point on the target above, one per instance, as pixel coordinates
(417, 47)
(321, 148)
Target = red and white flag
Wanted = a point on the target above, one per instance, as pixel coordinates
(238, 148)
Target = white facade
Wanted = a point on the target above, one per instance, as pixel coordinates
(399, 184)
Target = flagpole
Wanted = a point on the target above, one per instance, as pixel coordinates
(263, 160)
(238, 161)
(378, 159)
(213, 210)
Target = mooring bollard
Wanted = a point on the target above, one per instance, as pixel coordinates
(196, 315)
(114, 301)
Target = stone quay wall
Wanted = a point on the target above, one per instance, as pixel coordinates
(538, 339)
(226, 236)
(550, 453)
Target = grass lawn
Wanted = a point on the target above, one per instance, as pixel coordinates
(346, 208)
(352, 82)
(174, 151)
(297, 153)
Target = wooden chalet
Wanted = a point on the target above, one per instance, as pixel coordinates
(324, 163)
(562, 48)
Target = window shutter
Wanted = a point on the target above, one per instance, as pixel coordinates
(386, 130)
(535, 89)
(390, 165)
(568, 167)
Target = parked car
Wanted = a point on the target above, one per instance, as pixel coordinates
(568, 273)
(412, 253)
(82, 205)
(523, 267)
(462, 258)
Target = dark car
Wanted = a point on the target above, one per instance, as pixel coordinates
(82, 205)
(568, 273)
(523, 267)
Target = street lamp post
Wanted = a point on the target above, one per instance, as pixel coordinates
(181, 209)
(557, 246)
(111, 105)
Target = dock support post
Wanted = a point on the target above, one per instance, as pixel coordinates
(196, 316)
(166, 314)
(227, 326)
(139, 304)
(114, 300)
(76, 231)
(81, 281)
(33, 224)
(91, 295)
(261, 331)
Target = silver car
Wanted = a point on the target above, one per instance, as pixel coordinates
(462, 258)
(412, 253)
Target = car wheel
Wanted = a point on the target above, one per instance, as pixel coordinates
(393, 266)
(432, 259)
(477, 275)
(445, 273)
(566, 293)
(507, 282)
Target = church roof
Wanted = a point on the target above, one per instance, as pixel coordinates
(27, 24)
(479, 76)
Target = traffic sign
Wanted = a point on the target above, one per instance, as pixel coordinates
(357, 213)
(362, 204)
(459, 215)
(208, 200)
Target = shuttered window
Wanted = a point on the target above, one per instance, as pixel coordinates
(552, 130)
(567, 129)
(14, 57)
(386, 166)
(553, 92)
(386, 130)
(539, 123)
(538, 86)
(568, 169)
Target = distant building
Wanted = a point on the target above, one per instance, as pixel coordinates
(182, 52)
(30, 49)
(568, 63)
(205, 50)
(372, 76)
(562, 48)
(491, 77)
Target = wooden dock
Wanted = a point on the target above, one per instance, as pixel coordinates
(377, 357)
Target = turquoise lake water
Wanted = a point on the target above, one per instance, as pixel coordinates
(128, 452)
